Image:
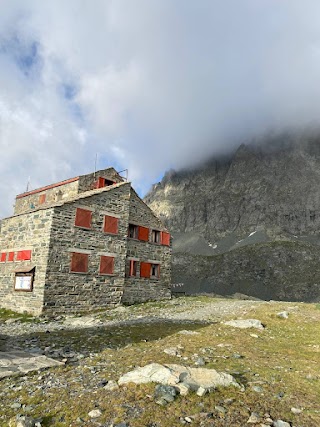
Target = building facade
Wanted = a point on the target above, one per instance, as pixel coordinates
(82, 244)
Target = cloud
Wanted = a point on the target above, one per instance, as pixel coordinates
(148, 85)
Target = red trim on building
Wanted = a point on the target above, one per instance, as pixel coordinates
(48, 187)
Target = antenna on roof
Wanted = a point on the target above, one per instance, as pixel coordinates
(95, 164)
(126, 174)
(28, 184)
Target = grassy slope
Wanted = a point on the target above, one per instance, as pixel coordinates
(284, 358)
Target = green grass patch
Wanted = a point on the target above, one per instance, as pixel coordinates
(9, 314)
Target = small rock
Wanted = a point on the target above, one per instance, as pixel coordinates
(182, 388)
(188, 419)
(296, 410)
(257, 389)
(171, 351)
(166, 392)
(283, 315)
(22, 421)
(200, 361)
(95, 413)
(201, 391)
(254, 418)
(245, 324)
(111, 386)
(15, 405)
(254, 335)
(280, 423)
(186, 332)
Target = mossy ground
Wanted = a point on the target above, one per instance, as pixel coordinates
(283, 359)
(9, 314)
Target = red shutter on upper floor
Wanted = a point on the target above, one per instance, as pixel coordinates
(100, 183)
(110, 224)
(79, 262)
(143, 233)
(3, 257)
(106, 265)
(24, 255)
(11, 256)
(83, 218)
(145, 269)
(165, 238)
(42, 199)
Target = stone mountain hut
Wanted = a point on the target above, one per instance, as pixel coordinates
(82, 244)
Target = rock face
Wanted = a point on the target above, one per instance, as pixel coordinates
(248, 222)
(274, 185)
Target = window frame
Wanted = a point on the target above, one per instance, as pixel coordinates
(135, 231)
(156, 236)
(133, 268)
(157, 275)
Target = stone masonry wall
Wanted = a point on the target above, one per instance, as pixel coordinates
(25, 232)
(76, 292)
(52, 195)
(144, 289)
(86, 182)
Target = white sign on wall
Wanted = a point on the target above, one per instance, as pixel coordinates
(23, 283)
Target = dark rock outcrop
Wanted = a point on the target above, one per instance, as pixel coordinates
(226, 213)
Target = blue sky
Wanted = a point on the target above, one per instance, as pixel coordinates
(147, 85)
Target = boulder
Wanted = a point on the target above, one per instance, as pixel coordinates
(245, 323)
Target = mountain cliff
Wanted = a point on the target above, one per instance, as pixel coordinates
(266, 191)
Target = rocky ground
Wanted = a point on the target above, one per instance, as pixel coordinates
(275, 365)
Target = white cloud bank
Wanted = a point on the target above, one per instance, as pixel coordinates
(147, 85)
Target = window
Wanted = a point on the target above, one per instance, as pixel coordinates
(133, 266)
(110, 224)
(106, 265)
(138, 232)
(155, 236)
(3, 257)
(42, 199)
(102, 182)
(150, 270)
(10, 256)
(133, 231)
(83, 218)
(165, 238)
(79, 262)
(24, 255)
(155, 271)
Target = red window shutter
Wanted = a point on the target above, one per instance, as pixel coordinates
(165, 238)
(3, 257)
(110, 224)
(143, 233)
(42, 199)
(79, 262)
(83, 218)
(106, 264)
(99, 183)
(24, 255)
(145, 269)
(11, 256)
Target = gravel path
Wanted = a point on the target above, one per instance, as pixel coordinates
(184, 309)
